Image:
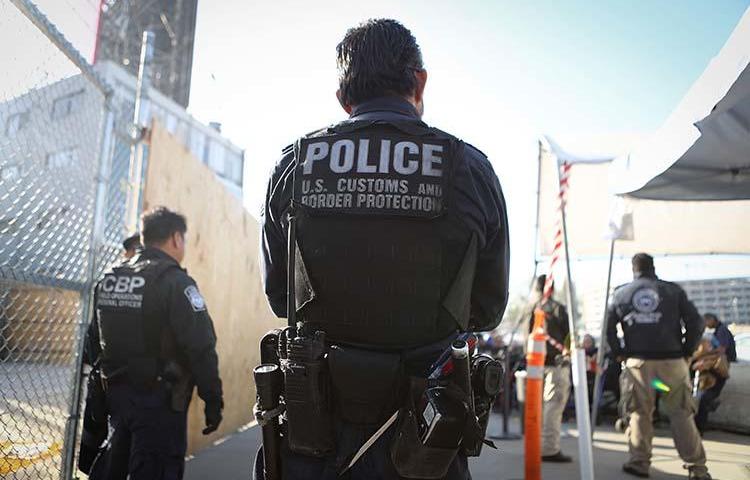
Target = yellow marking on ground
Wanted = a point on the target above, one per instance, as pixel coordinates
(15, 456)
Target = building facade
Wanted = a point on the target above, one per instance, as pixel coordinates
(49, 151)
(728, 298)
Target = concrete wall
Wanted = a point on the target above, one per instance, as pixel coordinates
(734, 411)
(222, 256)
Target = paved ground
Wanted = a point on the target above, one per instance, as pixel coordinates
(33, 410)
(728, 457)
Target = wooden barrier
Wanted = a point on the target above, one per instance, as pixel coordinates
(222, 256)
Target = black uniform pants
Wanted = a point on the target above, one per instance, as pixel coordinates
(147, 438)
(706, 403)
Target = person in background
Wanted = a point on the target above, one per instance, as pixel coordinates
(131, 245)
(722, 335)
(661, 329)
(589, 346)
(155, 342)
(711, 363)
(556, 371)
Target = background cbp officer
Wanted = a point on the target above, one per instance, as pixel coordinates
(652, 314)
(556, 371)
(155, 341)
(402, 239)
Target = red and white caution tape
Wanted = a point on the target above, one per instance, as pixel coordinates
(558, 246)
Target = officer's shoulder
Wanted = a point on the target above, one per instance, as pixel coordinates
(620, 289)
(287, 150)
(287, 153)
(621, 286)
(469, 150)
(474, 152)
(477, 159)
(671, 285)
(176, 275)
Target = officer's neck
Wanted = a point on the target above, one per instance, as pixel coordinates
(162, 250)
(410, 99)
(645, 274)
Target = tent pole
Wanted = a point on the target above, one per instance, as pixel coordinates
(538, 202)
(602, 344)
(580, 387)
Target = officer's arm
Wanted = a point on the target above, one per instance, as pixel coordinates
(724, 336)
(195, 337)
(274, 236)
(565, 320)
(694, 325)
(91, 347)
(612, 320)
(489, 295)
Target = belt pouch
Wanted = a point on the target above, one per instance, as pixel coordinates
(366, 383)
(413, 459)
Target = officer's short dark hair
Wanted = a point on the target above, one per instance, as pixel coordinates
(377, 58)
(160, 224)
(643, 262)
(540, 281)
(132, 242)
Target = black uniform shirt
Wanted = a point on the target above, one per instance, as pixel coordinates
(558, 328)
(653, 314)
(190, 329)
(478, 199)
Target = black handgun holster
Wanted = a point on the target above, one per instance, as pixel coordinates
(411, 458)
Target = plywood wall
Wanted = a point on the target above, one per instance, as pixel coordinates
(222, 256)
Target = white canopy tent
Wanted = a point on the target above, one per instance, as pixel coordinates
(702, 152)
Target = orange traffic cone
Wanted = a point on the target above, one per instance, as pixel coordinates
(536, 351)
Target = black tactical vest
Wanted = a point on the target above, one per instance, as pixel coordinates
(374, 265)
(131, 343)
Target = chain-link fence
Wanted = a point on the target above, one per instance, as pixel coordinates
(63, 184)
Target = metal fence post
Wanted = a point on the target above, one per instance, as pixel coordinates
(95, 242)
(141, 115)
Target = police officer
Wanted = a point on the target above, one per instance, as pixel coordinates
(130, 245)
(156, 341)
(652, 314)
(401, 242)
(556, 371)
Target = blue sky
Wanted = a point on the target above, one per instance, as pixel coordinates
(501, 74)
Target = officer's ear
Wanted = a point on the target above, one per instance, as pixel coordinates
(347, 108)
(421, 76)
(179, 239)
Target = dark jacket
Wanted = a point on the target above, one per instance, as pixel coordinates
(557, 326)
(652, 314)
(188, 336)
(726, 340)
(477, 207)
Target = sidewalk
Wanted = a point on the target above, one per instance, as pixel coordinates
(728, 457)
